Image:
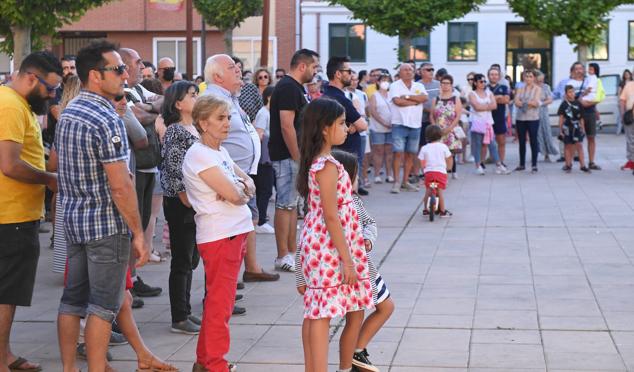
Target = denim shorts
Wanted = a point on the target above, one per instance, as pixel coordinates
(285, 184)
(253, 207)
(96, 277)
(377, 138)
(405, 139)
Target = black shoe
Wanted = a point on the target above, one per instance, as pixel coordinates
(362, 191)
(117, 339)
(520, 168)
(137, 302)
(585, 169)
(534, 170)
(361, 361)
(239, 297)
(561, 160)
(141, 289)
(237, 310)
(81, 352)
(240, 285)
(594, 166)
(566, 168)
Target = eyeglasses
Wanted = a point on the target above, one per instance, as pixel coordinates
(445, 82)
(49, 88)
(429, 69)
(263, 77)
(119, 70)
(469, 79)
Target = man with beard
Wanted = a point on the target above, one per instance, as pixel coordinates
(339, 77)
(99, 205)
(22, 181)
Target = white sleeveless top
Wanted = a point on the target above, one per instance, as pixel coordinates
(383, 108)
(482, 116)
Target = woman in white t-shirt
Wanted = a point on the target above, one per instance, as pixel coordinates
(218, 190)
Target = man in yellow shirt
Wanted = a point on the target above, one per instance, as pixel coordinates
(22, 183)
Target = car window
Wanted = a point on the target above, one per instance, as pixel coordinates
(610, 84)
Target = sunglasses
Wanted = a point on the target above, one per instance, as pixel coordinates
(279, 76)
(119, 98)
(119, 70)
(263, 77)
(429, 69)
(482, 81)
(350, 71)
(49, 88)
(469, 79)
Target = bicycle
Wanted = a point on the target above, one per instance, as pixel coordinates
(433, 201)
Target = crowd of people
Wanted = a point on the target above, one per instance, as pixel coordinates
(123, 140)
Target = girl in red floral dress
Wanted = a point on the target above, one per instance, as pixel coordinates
(331, 252)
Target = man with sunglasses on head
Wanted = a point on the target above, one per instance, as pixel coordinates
(23, 180)
(99, 205)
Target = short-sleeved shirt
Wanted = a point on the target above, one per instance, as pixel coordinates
(353, 141)
(215, 219)
(19, 201)
(89, 134)
(435, 155)
(627, 95)
(579, 86)
(243, 142)
(433, 90)
(499, 114)
(288, 95)
(409, 116)
(571, 111)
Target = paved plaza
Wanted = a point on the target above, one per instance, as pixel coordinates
(532, 273)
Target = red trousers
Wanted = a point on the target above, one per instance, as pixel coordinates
(222, 260)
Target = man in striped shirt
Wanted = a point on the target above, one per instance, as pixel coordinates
(99, 204)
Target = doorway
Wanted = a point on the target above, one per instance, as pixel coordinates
(526, 48)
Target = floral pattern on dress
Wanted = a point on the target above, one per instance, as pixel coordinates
(326, 296)
(444, 114)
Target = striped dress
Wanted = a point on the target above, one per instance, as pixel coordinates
(380, 292)
(59, 239)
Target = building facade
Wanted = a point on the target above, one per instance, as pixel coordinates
(493, 34)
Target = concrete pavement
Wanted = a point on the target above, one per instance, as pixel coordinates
(532, 273)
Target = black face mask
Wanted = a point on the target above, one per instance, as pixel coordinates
(39, 104)
(168, 74)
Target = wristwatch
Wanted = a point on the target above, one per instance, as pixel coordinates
(407, 96)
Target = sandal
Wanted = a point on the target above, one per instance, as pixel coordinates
(18, 366)
(156, 365)
(425, 212)
(446, 213)
(566, 168)
(585, 169)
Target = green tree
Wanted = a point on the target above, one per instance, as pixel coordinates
(25, 22)
(582, 21)
(227, 15)
(407, 18)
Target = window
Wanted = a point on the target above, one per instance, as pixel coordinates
(347, 40)
(175, 49)
(599, 51)
(630, 41)
(462, 44)
(419, 50)
(248, 49)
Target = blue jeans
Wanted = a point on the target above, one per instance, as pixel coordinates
(476, 148)
(285, 180)
(95, 281)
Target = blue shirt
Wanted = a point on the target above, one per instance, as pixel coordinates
(499, 114)
(353, 141)
(89, 134)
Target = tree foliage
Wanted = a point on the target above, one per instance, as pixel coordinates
(408, 18)
(582, 21)
(227, 14)
(41, 17)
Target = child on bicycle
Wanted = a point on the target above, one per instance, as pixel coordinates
(435, 159)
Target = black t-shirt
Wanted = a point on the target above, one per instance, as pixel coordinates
(353, 141)
(571, 112)
(499, 114)
(289, 95)
(48, 134)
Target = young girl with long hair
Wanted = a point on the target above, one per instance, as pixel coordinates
(332, 258)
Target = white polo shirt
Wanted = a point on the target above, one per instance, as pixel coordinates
(409, 116)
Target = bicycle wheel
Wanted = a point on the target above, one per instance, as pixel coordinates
(432, 207)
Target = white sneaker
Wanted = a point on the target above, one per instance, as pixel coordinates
(396, 188)
(389, 179)
(286, 263)
(409, 187)
(454, 175)
(480, 171)
(155, 257)
(264, 229)
(378, 180)
(501, 169)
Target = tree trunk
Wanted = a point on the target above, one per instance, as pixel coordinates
(228, 39)
(21, 44)
(404, 47)
(582, 53)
